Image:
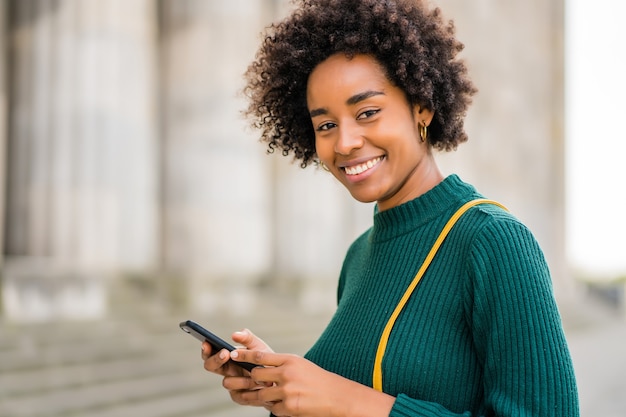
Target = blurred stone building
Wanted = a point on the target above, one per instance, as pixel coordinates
(129, 176)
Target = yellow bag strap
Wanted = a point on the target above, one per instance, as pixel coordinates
(382, 345)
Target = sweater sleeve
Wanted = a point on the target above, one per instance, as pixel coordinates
(516, 329)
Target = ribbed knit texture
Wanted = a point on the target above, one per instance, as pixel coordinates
(481, 334)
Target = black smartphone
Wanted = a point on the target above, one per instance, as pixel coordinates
(217, 343)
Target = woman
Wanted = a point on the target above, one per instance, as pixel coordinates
(367, 89)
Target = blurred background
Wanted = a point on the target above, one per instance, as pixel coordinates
(133, 196)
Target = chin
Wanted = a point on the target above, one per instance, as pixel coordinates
(362, 198)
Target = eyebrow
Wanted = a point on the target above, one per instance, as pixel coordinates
(350, 101)
(363, 96)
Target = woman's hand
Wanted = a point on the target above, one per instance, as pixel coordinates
(239, 380)
(289, 385)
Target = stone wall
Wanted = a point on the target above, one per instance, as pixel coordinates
(516, 124)
(127, 154)
(82, 156)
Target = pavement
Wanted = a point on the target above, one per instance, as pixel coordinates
(596, 334)
(144, 365)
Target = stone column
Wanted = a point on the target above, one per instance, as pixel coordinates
(216, 210)
(316, 221)
(82, 187)
(516, 148)
(3, 126)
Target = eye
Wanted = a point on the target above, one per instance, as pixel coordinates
(367, 114)
(325, 126)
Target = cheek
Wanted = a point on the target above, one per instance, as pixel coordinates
(323, 149)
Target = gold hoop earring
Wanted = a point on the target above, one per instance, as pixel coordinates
(324, 167)
(423, 132)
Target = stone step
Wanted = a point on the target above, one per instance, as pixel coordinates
(32, 355)
(35, 380)
(95, 396)
(131, 366)
(189, 404)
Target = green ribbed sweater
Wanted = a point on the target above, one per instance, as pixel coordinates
(481, 334)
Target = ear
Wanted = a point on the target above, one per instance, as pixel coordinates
(422, 115)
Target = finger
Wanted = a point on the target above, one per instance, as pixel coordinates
(215, 362)
(269, 395)
(258, 357)
(277, 408)
(247, 397)
(248, 339)
(206, 350)
(238, 383)
(272, 407)
(260, 397)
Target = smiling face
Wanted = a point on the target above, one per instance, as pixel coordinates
(367, 133)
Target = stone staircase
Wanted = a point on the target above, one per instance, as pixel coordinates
(137, 362)
(141, 365)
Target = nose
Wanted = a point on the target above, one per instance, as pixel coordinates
(349, 139)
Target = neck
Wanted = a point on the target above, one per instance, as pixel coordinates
(426, 176)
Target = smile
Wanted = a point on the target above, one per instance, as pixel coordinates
(361, 168)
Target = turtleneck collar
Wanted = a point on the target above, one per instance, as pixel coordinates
(448, 194)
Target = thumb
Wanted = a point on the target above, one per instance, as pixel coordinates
(250, 341)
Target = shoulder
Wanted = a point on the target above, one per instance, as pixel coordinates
(503, 251)
(499, 228)
(495, 225)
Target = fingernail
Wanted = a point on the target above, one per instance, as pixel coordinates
(223, 354)
(234, 354)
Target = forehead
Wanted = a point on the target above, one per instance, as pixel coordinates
(341, 74)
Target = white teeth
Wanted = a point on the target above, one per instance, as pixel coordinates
(359, 169)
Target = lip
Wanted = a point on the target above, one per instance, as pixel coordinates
(358, 170)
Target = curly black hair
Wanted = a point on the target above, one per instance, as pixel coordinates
(415, 46)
